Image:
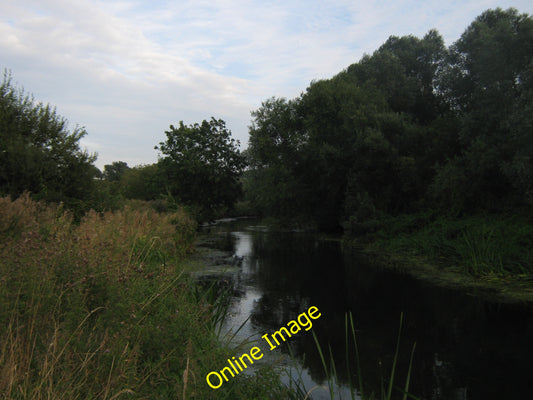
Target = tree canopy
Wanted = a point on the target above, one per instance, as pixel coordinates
(487, 81)
(38, 153)
(412, 126)
(114, 171)
(202, 164)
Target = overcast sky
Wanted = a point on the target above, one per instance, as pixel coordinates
(125, 70)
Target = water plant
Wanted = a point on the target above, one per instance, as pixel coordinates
(480, 245)
(357, 389)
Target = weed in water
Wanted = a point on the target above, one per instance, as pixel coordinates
(388, 384)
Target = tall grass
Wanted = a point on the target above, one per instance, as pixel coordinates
(478, 245)
(357, 390)
(78, 301)
(101, 309)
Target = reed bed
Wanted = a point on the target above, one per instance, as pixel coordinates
(479, 246)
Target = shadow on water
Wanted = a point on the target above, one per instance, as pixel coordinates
(467, 348)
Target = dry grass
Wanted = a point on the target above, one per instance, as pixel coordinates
(69, 295)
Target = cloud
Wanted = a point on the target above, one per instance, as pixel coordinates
(103, 72)
(128, 69)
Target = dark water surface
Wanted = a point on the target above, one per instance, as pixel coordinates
(466, 347)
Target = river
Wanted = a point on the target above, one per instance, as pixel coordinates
(467, 347)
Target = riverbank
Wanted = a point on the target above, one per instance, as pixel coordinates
(487, 256)
(106, 308)
(493, 288)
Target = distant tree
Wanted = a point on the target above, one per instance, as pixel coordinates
(37, 151)
(144, 182)
(202, 163)
(115, 171)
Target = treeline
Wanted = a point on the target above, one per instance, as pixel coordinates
(414, 126)
(199, 165)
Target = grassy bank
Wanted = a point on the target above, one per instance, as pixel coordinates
(102, 309)
(492, 252)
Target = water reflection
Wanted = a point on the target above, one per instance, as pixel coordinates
(467, 348)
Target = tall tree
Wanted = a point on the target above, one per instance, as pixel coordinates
(488, 81)
(37, 151)
(114, 171)
(357, 140)
(274, 154)
(145, 182)
(408, 124)
(404, 69)
(203, 164)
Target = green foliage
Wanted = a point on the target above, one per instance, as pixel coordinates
(487, 81)
(115, 171)
(356, 142)
(202, 165)
(144, 182)
(404, 69)
(38, 153)
(413, 126)
(273, 155)
(387, 384)
(477, 245)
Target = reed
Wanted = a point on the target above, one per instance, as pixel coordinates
(478, 245)
(357, 391)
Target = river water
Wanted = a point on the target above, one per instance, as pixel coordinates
(466, 347)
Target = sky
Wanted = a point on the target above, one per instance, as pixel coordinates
(125, 70)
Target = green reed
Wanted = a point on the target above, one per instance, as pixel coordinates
(357, 390)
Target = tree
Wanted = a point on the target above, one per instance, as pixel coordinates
(273, 183)
(114, 171)
(144, 182)
(410, 124)
(38, 153)
(202, 163)
(488, 82)
(404, 69)
(358, 140)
